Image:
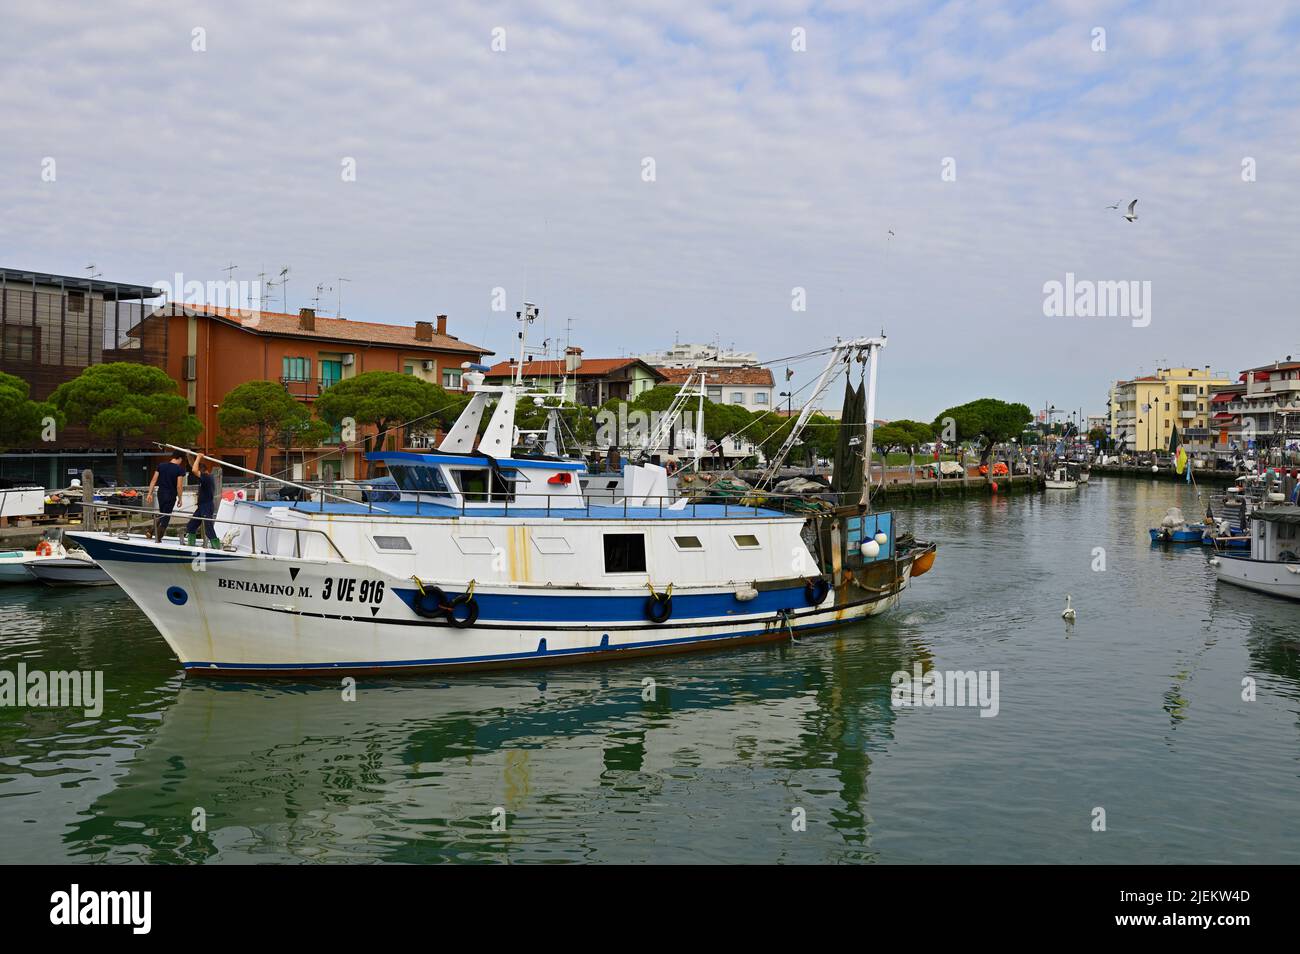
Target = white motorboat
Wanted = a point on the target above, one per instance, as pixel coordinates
(14, 563)
(73, 568)
(1060, 479)
(1273, 564)
(490, 560)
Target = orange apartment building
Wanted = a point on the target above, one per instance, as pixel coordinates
(211, 350)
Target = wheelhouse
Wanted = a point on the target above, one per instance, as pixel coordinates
(470, 480)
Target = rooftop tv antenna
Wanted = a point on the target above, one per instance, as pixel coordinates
(339, 288)
(284, 287)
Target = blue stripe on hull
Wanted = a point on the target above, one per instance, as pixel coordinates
(528, 608)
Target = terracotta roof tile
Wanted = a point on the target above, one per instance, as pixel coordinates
(745, 376)
(591, 368)
(327, 329)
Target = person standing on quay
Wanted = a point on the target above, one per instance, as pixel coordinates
(169, 478)
(205, 510)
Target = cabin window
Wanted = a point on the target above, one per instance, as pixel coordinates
(746, 541)
(421, 478)
(473, 483)
(552, 545)
(624, 553)
(688, 543)
(392, 543)
(475, 546)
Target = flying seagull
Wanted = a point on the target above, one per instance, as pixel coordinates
(1115, 206)
(1131, 215)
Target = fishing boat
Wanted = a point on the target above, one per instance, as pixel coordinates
(1273, 564)
(73, 568)
(1060, 479)
(493, 561)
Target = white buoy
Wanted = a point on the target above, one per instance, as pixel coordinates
(882, 538)
(1068, 613)
(871, 549)
(1155, 468)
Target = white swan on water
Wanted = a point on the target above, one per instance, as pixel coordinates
(1068, 612)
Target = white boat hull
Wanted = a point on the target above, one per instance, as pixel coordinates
(235, 613)
(1263, 576)
(1062, 485)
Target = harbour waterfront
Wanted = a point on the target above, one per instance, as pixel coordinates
(1137, 709)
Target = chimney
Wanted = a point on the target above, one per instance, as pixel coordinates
(307, 319)
(442, 324)
(572, 359)
(423, 331)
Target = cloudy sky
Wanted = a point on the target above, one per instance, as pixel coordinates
(787, 139)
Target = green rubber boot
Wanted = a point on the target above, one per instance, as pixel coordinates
(189, 539)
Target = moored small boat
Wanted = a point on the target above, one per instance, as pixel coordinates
(1273, 564)
(14, 563)
(1060, 479)
(76, 568)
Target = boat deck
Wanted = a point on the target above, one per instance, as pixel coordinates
(692, 511)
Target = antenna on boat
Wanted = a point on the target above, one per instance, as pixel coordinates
(525, 318)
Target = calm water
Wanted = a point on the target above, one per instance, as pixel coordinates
(1137, 709)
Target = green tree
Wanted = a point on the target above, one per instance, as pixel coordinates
(1097, 434)
(255, 413)
(22, 420)
(124, 400)
(300, 429)
(986, 421)
(383, 400)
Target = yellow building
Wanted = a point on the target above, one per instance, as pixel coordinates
(1145, 410)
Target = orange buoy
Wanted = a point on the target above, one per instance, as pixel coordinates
(994, 485)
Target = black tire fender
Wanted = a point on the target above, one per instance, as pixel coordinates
(659, 607)
(816, 590)
(431, 602)
(470, 616)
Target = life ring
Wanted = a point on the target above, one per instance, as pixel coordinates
(815, 590)
(659, 607)
(430, 602)
(470, 606)
(44, 548)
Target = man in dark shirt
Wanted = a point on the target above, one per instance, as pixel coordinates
(206, 508)
(169, 479)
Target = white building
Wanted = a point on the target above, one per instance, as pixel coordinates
(750, 387)
(699, 355)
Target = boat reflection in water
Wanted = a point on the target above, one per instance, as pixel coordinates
(597, 765)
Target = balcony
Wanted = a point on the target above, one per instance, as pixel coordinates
(307, 389)
(1187, 415)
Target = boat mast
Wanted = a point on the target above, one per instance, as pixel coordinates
(869, 430)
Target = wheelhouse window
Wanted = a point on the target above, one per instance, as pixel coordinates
(624, 553)
(392, 543)
(746, 541)
(476, 482)
(688, 543)
(419, 478)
